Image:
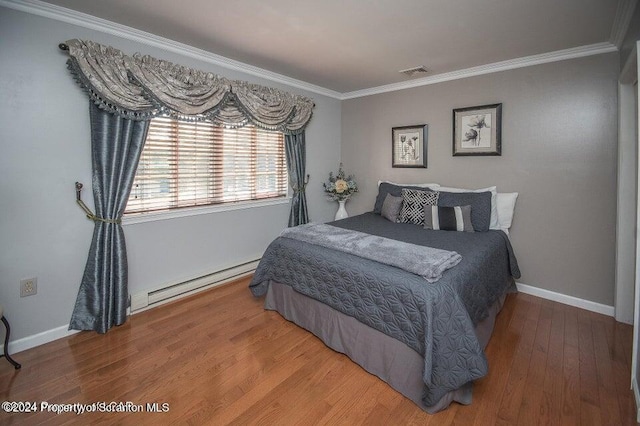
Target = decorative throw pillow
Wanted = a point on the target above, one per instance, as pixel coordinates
(480, 203)
(494, 201)
(396, 190)
(457, 218)
(413, 204)
(391, 207)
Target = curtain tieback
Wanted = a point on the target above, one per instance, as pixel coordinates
(299, 188)
(87, 210)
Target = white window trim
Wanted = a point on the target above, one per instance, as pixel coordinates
(200, 210)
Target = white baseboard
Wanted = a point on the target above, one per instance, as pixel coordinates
(567, 300)
(636, 394)
(29, 342)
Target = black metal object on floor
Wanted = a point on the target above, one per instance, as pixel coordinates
(6, 344)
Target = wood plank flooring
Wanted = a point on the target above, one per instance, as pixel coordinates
(219, 358)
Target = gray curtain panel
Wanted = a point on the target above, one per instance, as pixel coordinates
(116, 145)
(296, 165)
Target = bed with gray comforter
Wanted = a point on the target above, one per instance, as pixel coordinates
(437, 320)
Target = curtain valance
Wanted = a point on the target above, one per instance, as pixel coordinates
(140, 87)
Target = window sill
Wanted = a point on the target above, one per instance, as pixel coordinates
(194, 211)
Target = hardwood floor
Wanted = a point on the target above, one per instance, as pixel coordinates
(219, 358)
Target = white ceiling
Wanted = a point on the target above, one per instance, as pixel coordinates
(350, 45)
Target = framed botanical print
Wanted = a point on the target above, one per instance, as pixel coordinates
(477, 130)
(409, 146)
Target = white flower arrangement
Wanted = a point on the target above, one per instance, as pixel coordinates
(339, 187)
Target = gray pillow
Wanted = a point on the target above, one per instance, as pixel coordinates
(391, 207)
(413, 204)
(456, 218)
(480, 203)
(388, 188)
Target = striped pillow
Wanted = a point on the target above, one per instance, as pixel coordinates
(456, 218)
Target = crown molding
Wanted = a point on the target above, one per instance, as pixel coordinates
(84, 20)
(40, 8)
(622, 20)
(527, 61)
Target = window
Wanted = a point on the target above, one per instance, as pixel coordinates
(186, 164)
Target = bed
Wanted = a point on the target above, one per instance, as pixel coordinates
(426, 340)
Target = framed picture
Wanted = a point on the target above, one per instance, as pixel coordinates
(477, 130)
(409, 146)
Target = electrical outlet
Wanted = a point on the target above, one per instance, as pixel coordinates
(28, 287)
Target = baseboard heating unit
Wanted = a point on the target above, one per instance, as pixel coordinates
(173, 291)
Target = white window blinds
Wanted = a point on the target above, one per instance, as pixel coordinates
(186, 164)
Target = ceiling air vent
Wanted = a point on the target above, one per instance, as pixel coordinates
(412, 72)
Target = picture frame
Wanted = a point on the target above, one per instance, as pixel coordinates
(409, 146)
(477, 130)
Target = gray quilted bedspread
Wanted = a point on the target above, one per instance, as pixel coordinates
(435, 319)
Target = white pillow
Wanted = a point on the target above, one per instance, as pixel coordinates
(495, 223)
(421, 185)
(506, 205)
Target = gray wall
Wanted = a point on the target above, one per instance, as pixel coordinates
(630, 38)
(559, 152)
(45, 145)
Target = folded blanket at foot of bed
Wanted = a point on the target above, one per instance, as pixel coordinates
(428, 262)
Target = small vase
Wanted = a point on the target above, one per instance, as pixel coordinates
(342, 212)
